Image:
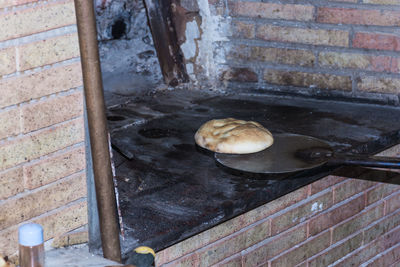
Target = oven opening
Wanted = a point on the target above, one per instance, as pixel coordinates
(128, 58)
(170, 66)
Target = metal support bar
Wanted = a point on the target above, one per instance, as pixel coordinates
(97, 122)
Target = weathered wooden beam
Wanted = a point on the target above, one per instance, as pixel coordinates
(165, 41)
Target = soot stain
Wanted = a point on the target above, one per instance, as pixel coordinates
(201, 109)
(155, 133)
(118, 29)
(115, 118)
(166, 108)
(185, 147)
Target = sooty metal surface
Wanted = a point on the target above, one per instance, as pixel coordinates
(170, 189)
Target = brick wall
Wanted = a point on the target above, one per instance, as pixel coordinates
(42, 153)
(344, 48)
(336, 220)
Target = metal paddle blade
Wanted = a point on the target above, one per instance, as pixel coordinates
(281, 157)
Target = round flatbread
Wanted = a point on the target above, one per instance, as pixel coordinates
(233, 136)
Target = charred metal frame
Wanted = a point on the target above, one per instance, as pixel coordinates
(169, 54)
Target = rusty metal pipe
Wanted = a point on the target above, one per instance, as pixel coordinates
(98, 131)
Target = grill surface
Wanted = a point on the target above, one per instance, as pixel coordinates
(170, 189)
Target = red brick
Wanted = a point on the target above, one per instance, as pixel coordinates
(46, 171)
(74, 237)
(382, 2)
(64, 219)
(324, 183)
(273, 246)
(395, 65)
(240, 75)
(385, 258)
(381, 227)
(357, 222)
(358, 61)
(38, 84)
(379, 84)
(54, 223)
(25, 207)
(48, 51)
(380, 191)
(392, 203)
(282, 56)
(40, 18)
(300, 212)
(10, 123)
(382, 63)
(11, 183)
(239, 52)
(244, 29)
(358, 16)
(191, 260)
(376, 41)
(273, 55)
(306, 36)
(336, 214)
(233, 244)
(7, 61)
(227, 228)
(273, 11)
(41, 143)
(337, 251)
(276, 205)
(391, 238)
(303, 251)
(51, 111)
(9, 240)
(303, 264)
(234, 261)
(305, 79)
(349, 188)
(360, 255)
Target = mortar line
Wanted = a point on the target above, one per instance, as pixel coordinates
(317, 25)
(319, 48)
(318, 3)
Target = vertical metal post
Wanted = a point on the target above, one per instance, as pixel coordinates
(98, 131)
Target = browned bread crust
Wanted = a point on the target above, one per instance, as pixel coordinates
(233, 136)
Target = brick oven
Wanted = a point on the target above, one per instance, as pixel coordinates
(329, 69)
(334, 52)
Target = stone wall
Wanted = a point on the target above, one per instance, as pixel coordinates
(336, 221)
(42, 152)
(345, 48)
(342, 48)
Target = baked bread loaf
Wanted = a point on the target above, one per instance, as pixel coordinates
(233, 136)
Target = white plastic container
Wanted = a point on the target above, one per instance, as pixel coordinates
(31, 245)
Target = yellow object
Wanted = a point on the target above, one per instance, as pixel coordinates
(145, 250)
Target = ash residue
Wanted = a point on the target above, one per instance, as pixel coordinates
(128, 58)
